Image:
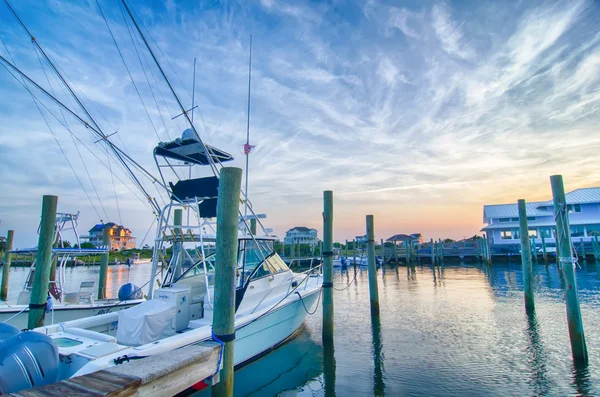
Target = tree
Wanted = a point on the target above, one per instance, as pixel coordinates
(87, 245)
(449, 240)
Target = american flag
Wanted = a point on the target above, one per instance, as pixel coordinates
(247, 148)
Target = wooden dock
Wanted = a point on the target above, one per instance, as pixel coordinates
(162, 375)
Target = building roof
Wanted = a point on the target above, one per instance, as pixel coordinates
(301, 229)
(404, 237)
(100, 226)
(540, 208)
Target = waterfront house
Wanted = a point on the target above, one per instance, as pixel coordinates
(301, 235)
(584, 218)
(415, 238)
(120, 236)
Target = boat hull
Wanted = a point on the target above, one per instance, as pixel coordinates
(262, 335)
(63, 313)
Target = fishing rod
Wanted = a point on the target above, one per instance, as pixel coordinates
(209, 154)
(118, 151)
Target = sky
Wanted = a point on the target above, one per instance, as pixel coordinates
(418, 113)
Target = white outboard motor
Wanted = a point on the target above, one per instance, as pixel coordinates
(27, 359)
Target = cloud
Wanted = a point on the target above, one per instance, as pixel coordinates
(403, 112)
(449, 32)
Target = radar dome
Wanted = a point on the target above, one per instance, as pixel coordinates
(189, 134)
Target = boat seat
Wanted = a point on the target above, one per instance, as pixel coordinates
(84, 295)
(24, 298)
(101, 350)
(90, 334)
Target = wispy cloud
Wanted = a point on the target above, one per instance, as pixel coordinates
(401, 111)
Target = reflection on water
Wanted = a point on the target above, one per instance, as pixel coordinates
(452, 330)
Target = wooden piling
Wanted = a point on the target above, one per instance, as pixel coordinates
(597, 250)
(6, 267)
(565, 258)
(582, 249)
(328, 266)
(432, 247)
(253, 226)
(544, 251)
(177, 242)
(373, 291)
(441, 248)
(225, 266)
(41, 276)
(406, 252)
(526, 257)
(104, 258)
(534, 250)
(382, 253)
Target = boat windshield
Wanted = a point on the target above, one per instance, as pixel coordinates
(198, 267)
(257, 259)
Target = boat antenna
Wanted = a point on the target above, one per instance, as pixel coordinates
(247, 147)
(193, 90)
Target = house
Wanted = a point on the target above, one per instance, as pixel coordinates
(301, 235)
(584, 219)
(120, 236)
(415, 238)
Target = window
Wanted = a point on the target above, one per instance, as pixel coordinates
(577, 207)
(593, 230)
(514, 219)
(506, 234)
(546, 232)
(533, 233)
(502, 220)
(531, 218)
(576, 231)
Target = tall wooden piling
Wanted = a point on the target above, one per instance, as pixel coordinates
(328, 266)
(253, 226)
(104, 258)
(432, 247)
(526, 256)
(544, 251)
(41, 276)
(597, 248)
(406, 252)
(534, 250)
(178, 241)
(373, 291)
(582, 249)
(382, 252)
(225, 266)
(565, 258)
(346, 249)
(6, 267)
(441, 252)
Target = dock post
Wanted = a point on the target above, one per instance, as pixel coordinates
(534, 249)
(373, 291)
(253, 226)
(544, 252)
(582, 249)
(104, 258)
(328, 266)
(177, 245)
(346, 249)
(223, 324)
(432, 247)
(382, 253)
(526, 257)
(565, 258)
(406, 253)
(441, 247)
(597, 250)
(395, 252)
(6, 267)
(41, 276)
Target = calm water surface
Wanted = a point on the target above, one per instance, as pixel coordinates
(446, 331)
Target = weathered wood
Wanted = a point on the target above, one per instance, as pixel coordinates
(373, 290)
(41, 277)
(565, 259)
(104, 258)
(6, 266)
(225, 269)
(526, 257)
(328, 266)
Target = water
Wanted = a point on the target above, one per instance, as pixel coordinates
(450, 331)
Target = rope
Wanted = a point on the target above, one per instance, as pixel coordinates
(220, 351)
(316, 307)
(10, 318)
(348, 285)
(565, 234)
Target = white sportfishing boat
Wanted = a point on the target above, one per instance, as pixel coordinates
(271, 301)
(64, 305)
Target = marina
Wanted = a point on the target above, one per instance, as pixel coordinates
(144, 249)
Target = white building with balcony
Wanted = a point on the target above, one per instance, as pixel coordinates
(584, 219)
(301, 235)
